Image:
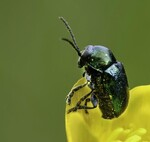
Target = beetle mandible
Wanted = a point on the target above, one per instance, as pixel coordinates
(105, 77)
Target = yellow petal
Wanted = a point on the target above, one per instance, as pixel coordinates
(132, 126)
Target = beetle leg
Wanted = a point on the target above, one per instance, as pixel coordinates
(78, 106)
(86, 101)
(81, 107)
(71, 93)
(86, 107)
(93, 100)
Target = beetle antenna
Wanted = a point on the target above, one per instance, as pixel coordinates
(69, 41)
(74, 44)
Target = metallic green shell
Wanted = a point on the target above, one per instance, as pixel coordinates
(97, 57)
(115, 86)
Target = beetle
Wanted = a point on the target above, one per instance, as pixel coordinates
(105, 76)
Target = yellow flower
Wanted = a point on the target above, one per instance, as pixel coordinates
(132, 126)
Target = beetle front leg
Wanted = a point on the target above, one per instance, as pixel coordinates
(71, 93)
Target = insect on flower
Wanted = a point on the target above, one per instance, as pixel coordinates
(105, 76)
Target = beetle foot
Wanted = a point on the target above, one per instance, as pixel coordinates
(68, 100)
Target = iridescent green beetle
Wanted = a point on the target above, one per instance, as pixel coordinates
(106, 78)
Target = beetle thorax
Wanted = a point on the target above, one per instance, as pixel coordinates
(97, 57)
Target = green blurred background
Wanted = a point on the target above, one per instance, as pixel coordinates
(37, 69)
